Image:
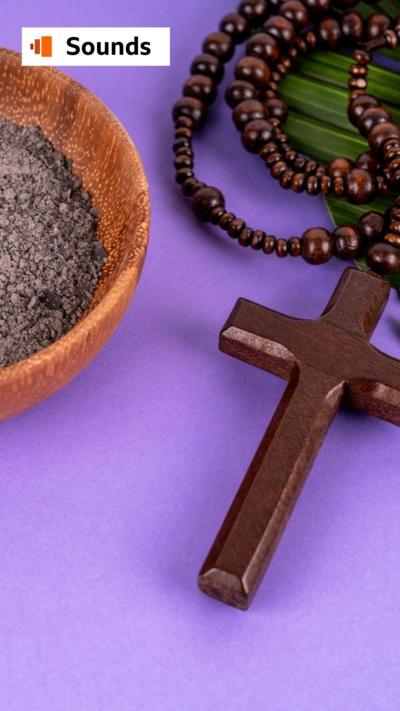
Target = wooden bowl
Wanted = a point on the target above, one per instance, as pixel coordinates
(104, 157)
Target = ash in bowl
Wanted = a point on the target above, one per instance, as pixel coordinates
(50, 259)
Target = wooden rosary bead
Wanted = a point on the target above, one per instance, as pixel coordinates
(361, 186)
(362, 56)
(329, 32)
(256, 133)
(281, 28)
(298, 182)
(347, 242)
(216, 215)
(245, 236)
(184, 133)
(264, 46)
(393, 239)
(372, 117)
(257, 240)
(226, 219)
(380, 134)
(371, 225)
(193, 108)
(377, 24)
(270, 147)
(205, 200)
(318, 7)
(253, 70)
(273, 158)
(200, 87)
(367, 161)
(183, 161)
(391, 39)
(326, 184)
(286, 178)
(277, 108)
(358, 84)
(352, 27)
(294, 247)
(359, 105)
(281, 248)
(317, 245)
(181, 143)
(239, 91)
(235, 227)
(234, 25)
(183, 174)
(278, 168)
(184, 122)
(358, 70)
(209, 65)
(247, 111)
(268, 244)
(220, 45)
(255, 11)
(296, 12)
(339, 167)
(191, 185)
(383, 258)
(338, 186)
(312, 185)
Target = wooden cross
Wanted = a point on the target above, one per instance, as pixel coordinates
(328, 362)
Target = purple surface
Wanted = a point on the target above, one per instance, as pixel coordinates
(111, 491)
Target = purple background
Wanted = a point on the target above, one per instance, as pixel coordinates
(111, 491)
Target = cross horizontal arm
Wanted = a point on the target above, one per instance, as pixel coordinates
(379, 392)
(261, 336)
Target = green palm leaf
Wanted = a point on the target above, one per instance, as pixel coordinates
(317, 96)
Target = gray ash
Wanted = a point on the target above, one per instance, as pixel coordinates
(50, 259)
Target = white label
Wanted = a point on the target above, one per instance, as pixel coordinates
(96, 46)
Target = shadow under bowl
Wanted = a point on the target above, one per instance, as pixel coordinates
(84, 130)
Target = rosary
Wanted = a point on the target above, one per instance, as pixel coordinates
(328, 362)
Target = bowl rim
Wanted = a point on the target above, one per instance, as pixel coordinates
(134, 259)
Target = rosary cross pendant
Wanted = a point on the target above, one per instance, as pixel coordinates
(328, 362)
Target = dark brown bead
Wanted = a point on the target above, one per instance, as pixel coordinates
(392, 238)
(317, 245)
(181, 143)
(286, 178)
(281, 248)
(338, 186)
(245, 237)
(377, 23)
(184, 122)
(278, 168)
(391, 39)
(248, 111)
(362, 56)
(296, 12)
(188, 106)
(370, 225)
(329, 32)
(359, 105)
(273, 158)
(183, 174)
(216, 214)
(277, 108)
(326, 184)
(361, 186)
(281, 28)
(318, 7)
(383, 258)
(255, 134)
(184, 151)
(358, 70)
(270, 147)
(184, 133)
(190, 186)
(367, 161)
(298, 182)
(380, 134)
(200, 87)
(209, 65)
(268, 244)
(235, 227)
(226, 219)
(239, 91)
(294, 247)
(263, 46)
(352, 27)
(372, 117)
(220, 45)
(235, 26)
(358, 84)
(205, 200)
(339, 167)
(348, 242)
(257, 239)
(255, 11)
(312, 185)
(254, 70)
(183, 161)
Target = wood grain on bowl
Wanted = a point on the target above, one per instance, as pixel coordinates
(83, 129)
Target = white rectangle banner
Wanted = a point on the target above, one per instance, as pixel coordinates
(96, 46)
